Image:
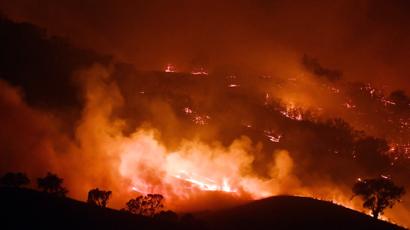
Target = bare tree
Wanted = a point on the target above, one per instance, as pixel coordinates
(378, 194)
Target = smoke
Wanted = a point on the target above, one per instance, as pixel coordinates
(192, 175)
(102, 156)
(349, 35)
(193, 172)
(256, 126)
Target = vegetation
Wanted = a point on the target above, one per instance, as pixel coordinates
(148, 205)
(52, 184)
(378, 194)
(98, 197)
(16, 180)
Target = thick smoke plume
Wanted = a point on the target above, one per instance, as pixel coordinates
(193, 173)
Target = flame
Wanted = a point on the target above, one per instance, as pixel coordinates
(233, 85)
(199, 71)
(194, 166)
(188, 173)
(170, 68)
(292, 112)
(205, 184)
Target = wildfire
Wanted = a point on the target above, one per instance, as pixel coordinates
(170, 69)
(233, 85)
(349, 105)
(199, 119)
(205, 184)
(272, 136)
(199, 71)
(398, 151)
(187, 110)
(292, 112)
(196, 166)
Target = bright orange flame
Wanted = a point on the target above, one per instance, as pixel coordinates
(292, 112)
(170, 68)
(195, 166)
(140, 162)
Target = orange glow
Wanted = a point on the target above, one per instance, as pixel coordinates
(207, 103)
(199, 71)
(195, 166)
(292, 112)
(170, 69)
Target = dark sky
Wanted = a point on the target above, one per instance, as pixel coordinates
(367, 40)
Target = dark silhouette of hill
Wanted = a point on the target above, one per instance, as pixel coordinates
(30, 209)
(41, 64)
(289, 212)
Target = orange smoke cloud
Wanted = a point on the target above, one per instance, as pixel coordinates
(140, 163)
(191, 174)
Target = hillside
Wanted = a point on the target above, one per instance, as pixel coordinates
(29, 209)
(289, 212)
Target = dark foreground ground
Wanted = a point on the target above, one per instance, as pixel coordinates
(29, 209)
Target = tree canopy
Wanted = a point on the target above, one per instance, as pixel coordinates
(17, 179)
(51, 183)
(378, 194)
(147, 205)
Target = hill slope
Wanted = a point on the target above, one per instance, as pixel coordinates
(289, 212)
(29, 209)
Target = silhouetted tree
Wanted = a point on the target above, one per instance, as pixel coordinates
(147, 205)
(16, 180)
(98, 197)
(52, 184)
(378, 194)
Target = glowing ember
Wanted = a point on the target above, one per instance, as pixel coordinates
(187, 110)
(292, 112)
(233, 85)
(387, 102)
(267, 97)
(385, 177)
(197, 118)
(200, 71)
(170, 68)
(201, 120)
(334, 89)
(272, 137)
(349, 105)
